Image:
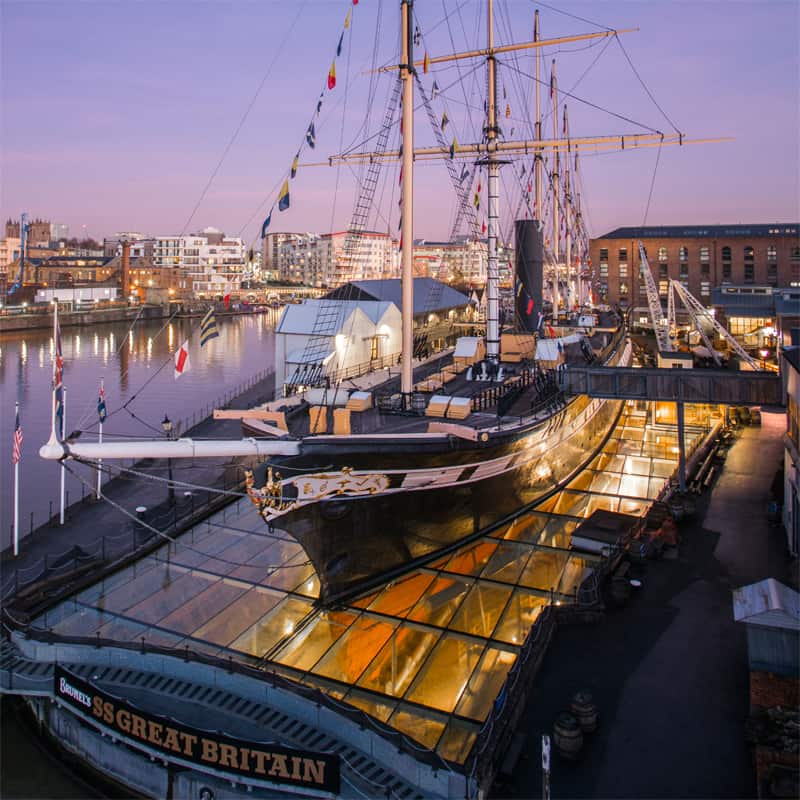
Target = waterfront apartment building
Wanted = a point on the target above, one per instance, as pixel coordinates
(318, 259)
(701, 257)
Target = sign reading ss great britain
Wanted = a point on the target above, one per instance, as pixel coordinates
(257, 760)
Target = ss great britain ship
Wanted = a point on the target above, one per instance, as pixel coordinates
(399, 475)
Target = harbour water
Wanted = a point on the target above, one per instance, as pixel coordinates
(135, 362)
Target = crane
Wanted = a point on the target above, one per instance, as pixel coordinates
(697, 311)
(660, 323)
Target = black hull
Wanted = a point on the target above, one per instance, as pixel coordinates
(356, 542)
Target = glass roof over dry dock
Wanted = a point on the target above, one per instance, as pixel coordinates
(425, 654)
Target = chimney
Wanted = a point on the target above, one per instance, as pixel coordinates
(126, 268)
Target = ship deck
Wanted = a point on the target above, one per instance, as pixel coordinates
(425, 655)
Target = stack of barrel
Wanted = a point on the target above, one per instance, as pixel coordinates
(570, 725)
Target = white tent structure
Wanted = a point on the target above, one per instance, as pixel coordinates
(365, 331)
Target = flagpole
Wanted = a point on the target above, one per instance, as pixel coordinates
(64, 424)
(16, 494)
(53, 436)
(100, 439)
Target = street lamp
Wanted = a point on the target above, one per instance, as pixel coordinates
(166, 424)
(763, 353)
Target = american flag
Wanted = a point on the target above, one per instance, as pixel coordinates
(101, 403)
(17, 439)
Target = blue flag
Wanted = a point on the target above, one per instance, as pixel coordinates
(311, 137)
(266, 223)
(283, 197)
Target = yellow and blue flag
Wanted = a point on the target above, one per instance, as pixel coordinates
(208, 328)
(283, 197)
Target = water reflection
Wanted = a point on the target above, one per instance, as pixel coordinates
(127, 360)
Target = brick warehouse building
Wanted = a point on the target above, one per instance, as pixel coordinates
(702, 257)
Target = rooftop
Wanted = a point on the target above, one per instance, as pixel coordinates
(429, 294)
(691, 231)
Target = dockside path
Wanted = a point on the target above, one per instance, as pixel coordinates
(669, 672)
(89, 521)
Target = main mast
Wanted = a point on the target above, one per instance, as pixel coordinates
(407, 203)
(493, 168)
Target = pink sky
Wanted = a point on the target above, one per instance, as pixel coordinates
(115, 114)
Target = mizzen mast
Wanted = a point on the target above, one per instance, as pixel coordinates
(493, 180)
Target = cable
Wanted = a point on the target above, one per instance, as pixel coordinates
(652, 184)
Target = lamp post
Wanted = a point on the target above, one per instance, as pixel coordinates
(764, 353)
(166, 424)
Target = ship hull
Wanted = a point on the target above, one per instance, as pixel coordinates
(386, 503)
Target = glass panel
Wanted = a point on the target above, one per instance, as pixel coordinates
(661, 468)
(190, 554)
(520, 614)
(527, 528)
(575, 572)
(274, 626)
(637, 466)
(229, 623)
(417, 726)
(472, 559)
(633, 486)
(174, 594)
(443, 676)
(481, 609)
(121, 630)
(635, 507)
(440, 601)
(191, 615)
(395, 666)
(372, 706)
(400, 596)
(456, 742)
(507, 562)
(485, 684)
(308, 646)
(543, 569)
(348, 658)
(240, 552)
(558, 532)
(129, 594)
(83, 623)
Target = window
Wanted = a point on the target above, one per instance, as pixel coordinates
(705, 288)
(726, 271)
(663, 288)
(683, 254)
(704, 255)
(795, 254)
(749, 273)
(623, 254)
(623, 289)
(726, 254)
(684, 270)
(749, 254)
(772, 274)
(604, 254)
(662, 253)
(663, 271)
(623, 270)
(705, 269)
(642, 289)
(604, 270)
(772, 254)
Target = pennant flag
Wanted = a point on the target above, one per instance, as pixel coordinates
(101, 403)
(17, 452)
(508, 111)
(464, 174)
(283, 197)
(319, 104)
(476, 200)
(552, 81)
(483, 227)
(355, 2)
(426, 63)
(445, 120)
(434, 90)
(182, 359)
(227, 300)
(294, 165)
(479, 186)
(332, 75)
(266, 223)
(512, 132)
(529, 307)
(339, 46)
(311, 137)
(208, 328)
(453, 147)
(539, 323)
(519, 289)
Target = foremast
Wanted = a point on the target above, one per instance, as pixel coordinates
(493, 181)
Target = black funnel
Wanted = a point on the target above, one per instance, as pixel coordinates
(529, 248)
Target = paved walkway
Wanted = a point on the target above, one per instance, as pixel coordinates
(87, 522)
(669, 672)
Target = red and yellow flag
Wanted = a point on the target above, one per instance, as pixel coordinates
(332, 76)
(426, 63)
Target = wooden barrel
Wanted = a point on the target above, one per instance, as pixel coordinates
(584, 710)
(567, 735)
